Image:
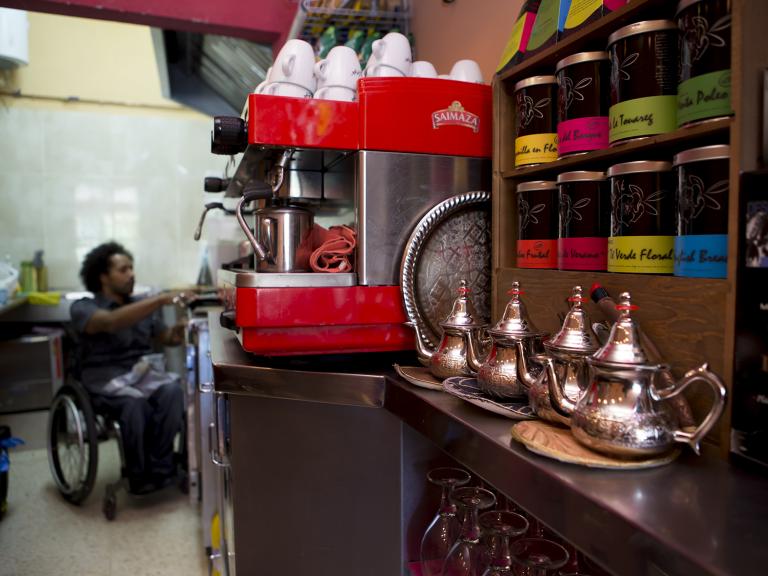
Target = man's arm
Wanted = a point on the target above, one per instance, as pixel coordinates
(124, 316)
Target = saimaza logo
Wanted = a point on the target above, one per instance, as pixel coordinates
(455, 115)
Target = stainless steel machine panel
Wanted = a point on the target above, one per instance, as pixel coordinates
(393, 192)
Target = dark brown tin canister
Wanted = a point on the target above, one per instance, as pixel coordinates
(705, 60)
(643, 79)
(585, 221)
(537, 213)
(536, 120)
(642, 218)
(583, 82)
(701, 246)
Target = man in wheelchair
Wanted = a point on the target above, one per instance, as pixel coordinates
(116, 334)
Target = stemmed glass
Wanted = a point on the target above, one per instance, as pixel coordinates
(500, 528)
(537, 557)
(443, 531)
(466, 556)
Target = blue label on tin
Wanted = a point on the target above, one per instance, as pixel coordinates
(703, 256)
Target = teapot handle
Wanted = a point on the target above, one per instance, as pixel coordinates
(704, 374)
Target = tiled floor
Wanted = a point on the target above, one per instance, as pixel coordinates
(42, 535)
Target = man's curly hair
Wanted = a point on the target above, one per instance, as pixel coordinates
(96, 263)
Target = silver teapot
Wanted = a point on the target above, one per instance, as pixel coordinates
(460, 329)
(513, 337)
(565, 361)
(622, 412)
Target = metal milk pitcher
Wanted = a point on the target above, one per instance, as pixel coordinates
(622, 412)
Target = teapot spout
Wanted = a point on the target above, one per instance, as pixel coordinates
(523, 372)
(424, 353)
(475, 354)
(557, 398)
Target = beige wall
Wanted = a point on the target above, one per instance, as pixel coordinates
(91, 60)
(475, 29)
(90, 151)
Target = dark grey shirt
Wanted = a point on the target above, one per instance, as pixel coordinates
(105, 355)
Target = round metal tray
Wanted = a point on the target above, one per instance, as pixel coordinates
(452, 242)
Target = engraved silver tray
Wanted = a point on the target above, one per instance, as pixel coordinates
(452, 242)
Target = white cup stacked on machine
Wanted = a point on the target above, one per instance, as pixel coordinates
(390, 57)
(337, 75)
(293, 73)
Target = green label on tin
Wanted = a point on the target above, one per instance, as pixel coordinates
(642, 117)
(705, 96)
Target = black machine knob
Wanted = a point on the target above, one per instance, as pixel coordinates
(213, 184)
(229, 135)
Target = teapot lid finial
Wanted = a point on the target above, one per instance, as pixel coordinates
(515, 321)
(463, 313)
(624, 345)
(576, 334)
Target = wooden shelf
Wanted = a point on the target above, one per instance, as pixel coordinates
(660, 147)
(594, 36)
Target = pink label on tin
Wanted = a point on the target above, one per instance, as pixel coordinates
(614, 4)
(582, 134)
(582, 253)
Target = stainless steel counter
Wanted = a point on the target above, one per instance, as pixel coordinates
(696, 516)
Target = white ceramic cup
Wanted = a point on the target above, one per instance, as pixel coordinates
(467, 71)
(394, 51)
(423, 69)
(341, 93)
(340, 68)
(445, 77)
(384, 71)
(370, 65)
(283, 89)
(295, 63)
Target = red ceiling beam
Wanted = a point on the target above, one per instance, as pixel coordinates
(263, 21)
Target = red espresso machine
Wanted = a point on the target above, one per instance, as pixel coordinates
(378, 166)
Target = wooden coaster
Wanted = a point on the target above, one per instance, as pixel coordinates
(558, 443)
(419, 376)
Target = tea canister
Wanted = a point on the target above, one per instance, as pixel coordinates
(582, 102)
(537, 213)
(536, 120)
(705, 60)
(584, 224)
(701, 246)
(643, 79)
(642, 218)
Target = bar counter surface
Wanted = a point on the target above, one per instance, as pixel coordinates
(699, 515)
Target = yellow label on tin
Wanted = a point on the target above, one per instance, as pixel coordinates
(535, 149)
(641, 254)
(579, 11)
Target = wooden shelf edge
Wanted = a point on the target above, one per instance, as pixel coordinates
(555, 275)
(708, 128)
(566, 47)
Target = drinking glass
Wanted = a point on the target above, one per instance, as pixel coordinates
(500, 528)
(443, 531)
(537, 557)
(467, 557)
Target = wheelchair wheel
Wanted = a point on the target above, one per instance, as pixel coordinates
(73, 451)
